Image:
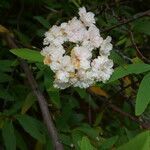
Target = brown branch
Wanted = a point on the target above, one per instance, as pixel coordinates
(118, 110)
(135, 17)
(137, 49)
(41, 99)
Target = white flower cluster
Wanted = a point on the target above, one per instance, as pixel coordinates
(78, 68)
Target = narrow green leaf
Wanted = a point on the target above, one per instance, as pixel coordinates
(20, 141)
(108, 143)
(91, 132)
(49, 144)
(22, 37)
(143, 95)
(32, 126)
(5, 65)
(123, 71)
(9, 136)
(76, 137)
(66, 139)
(29, 101)
(42, 21)
(53, 92)
(55, 96)
(131, 133)
(5, 77)
(14, 108)
(28, 54)
(4, 94)
(87, 98)
(82, 92)
(140, 142)
(85, 144)
(142, 26)
(117, 59)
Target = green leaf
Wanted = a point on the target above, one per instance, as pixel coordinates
(22, 37)
(91, 132)
(87, 98)
(143, 95)
(32, 126)
(29, 101)
(5, 77)
(20, 141)
(53, 92)
(76, 137)
(9, 136)
(108, 143)
(49, 144)
(28, 54)
(123, 71)
(117, 59)
(65, 139)
(140, 142)
(5, 65)
(55, 96)
(14, 108)
(4, 94)
(82, 92)
(131, 133)
(85, 144)
(42, 21)
(121, 41)
(142, 26)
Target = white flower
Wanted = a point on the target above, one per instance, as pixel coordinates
(55, 52)
(86, 17)
(81, 52)
(75, 30)
(62, 76)
(106, 46)
(67, 64)
(64, 63)
(55, 35)
(102, 68)
(84, 79)
(85, 64)
(88, 45)
(94, 36)
(55, 66)
(80, 57)
(79, 69)
(61, 85)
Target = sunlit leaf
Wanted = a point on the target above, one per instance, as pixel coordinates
(123, 71)
(28, 54)
(143, 95)
(140, 142)
(85, 144)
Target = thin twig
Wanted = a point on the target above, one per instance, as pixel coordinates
(118, 110)
(41, 99)
(137, 49)
(135, 17)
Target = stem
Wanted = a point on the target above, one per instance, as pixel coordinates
(41, 99)
(137, 49)
(118, 110)
(135, 17)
